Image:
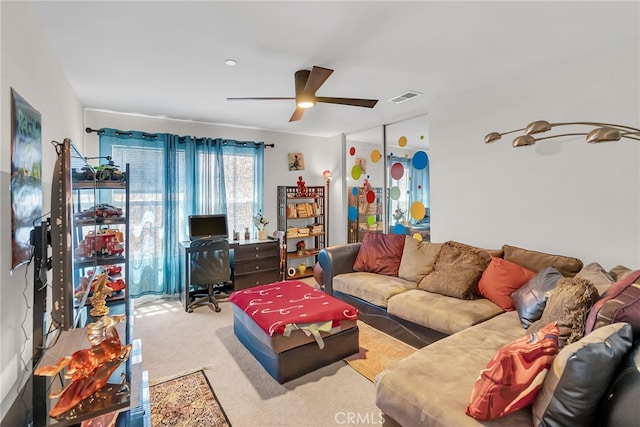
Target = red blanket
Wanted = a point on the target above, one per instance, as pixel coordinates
(278, 304)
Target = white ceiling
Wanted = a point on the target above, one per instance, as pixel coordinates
(166, 58)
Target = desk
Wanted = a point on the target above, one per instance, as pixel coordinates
(253, 262)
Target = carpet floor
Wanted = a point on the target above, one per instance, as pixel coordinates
(186, 401)
(176, 343)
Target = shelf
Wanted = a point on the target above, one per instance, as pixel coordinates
(93, 261)
(85, 222)
(290, 205)
(304, 198)
(304, 236)
(308, 253)
(307, 273)
(105, 185)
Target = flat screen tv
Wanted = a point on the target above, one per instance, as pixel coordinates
(208, 227)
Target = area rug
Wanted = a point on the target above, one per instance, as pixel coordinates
(378, 351)
(186, 401)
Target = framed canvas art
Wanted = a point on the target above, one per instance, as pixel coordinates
(26, 177)
(296, 161)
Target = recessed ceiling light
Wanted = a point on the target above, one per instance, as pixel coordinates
(231, 62)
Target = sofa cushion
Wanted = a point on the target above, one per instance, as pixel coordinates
(619, 406)
(621, 303)
(371, 287)
(580, 375)
(380, 253)
(514, 375)
(568, 305)
(439, 312)
(601, 278)
(531, 298)
(457, 271)
(536, 261)
(500, 279)
(418, 259)
(431, 387)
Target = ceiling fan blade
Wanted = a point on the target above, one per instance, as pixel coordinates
(356, 102)
(297, 115)
(257, 99)
(317, 77)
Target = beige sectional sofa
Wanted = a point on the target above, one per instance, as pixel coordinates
(457, 337)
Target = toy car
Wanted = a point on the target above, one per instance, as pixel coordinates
(109, 172)
(85, 173)
(105, 210)
(112, 270)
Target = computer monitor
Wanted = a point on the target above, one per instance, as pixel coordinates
(208, 227)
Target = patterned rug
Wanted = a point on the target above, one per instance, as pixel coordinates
(186, 401)
(378, 351)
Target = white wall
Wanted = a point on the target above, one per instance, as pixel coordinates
(566, 197)
(29, 66)
(319, 154)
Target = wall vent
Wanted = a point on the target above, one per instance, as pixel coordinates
(405, 97)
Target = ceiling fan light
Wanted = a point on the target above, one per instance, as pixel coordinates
(305, 100)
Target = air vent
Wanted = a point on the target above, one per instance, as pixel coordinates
(405, 97)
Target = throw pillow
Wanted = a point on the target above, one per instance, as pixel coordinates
(619, 271)
(601, 278)
(418, 259)
(457, 271)
(568, 305)
(500, 279)
(485, 254)
(514, 375)
(531, 298)
(621, 303)
(536, 261)
(579, 376)
(380, 253)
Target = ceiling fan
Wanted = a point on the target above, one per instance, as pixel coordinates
(307, 83)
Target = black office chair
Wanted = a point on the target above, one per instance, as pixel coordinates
(209, 268)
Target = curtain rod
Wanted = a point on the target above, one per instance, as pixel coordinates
(98, 131)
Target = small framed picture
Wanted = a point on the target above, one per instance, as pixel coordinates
(362, 162)
(296, 161)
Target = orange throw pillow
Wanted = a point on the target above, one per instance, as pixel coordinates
(514, 376)
(501, 279)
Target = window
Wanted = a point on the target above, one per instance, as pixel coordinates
(171, 178)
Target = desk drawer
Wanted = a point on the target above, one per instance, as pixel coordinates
(259, 250)
(256, 265)
(251, 280)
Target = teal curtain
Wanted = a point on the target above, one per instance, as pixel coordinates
(172, 177)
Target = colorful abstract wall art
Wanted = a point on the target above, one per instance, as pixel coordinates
(26, 177)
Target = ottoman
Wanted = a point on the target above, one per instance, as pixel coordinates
(292, 328)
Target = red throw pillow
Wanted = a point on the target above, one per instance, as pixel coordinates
(380, 253)
(514, 376)
(501, 279)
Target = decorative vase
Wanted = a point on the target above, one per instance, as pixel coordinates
(262, 235)
(302, 268)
